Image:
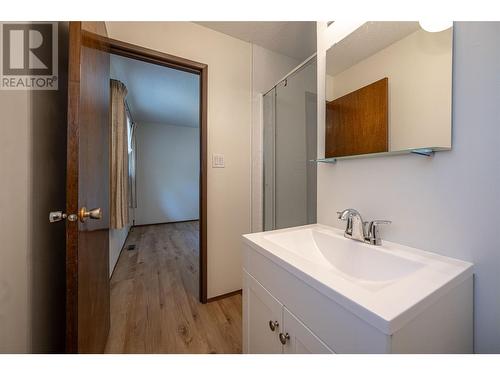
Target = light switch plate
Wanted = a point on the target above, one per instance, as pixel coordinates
(218, 161)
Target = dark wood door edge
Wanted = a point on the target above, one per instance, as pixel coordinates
(87, 269)
(136, 52)
(203, 278)
(72, 188)
(222, 296)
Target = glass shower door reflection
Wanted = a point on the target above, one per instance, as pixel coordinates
(269, 102)
(290, 142)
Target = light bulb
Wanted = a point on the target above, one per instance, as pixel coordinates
(434, 26)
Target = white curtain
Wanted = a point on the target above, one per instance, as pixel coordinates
(119, 210)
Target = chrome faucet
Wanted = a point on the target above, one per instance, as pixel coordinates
(355, 228)
(359, 230)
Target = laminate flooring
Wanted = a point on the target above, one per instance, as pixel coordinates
(154, 297)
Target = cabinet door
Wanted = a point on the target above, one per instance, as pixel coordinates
(296, 338)
(260, 311)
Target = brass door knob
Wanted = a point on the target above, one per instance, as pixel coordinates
(95, 213)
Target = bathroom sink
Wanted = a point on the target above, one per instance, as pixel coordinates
(385, 285)
(353, 259)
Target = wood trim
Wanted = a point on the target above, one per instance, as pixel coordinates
(72, 188)
(136, 52)
(163, 223)
(133, 51)
(203, 183)
(222, 296)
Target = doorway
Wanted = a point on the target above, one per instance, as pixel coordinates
(87, 185)
(154, 287)
(137, 53)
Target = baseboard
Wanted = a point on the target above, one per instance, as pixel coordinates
(222, 296)
(167, 222)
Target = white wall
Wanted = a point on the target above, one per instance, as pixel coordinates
(229, 132)
(168, 160)
(267, 68)
(32, 251)
(15, 164)
(450, 203)
(419, 71)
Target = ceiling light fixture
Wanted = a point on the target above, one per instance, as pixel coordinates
(435, 26)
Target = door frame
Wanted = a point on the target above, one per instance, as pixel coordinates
(136, 52)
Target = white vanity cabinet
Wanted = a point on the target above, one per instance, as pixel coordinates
(263, 318)
(270, 328)
(299, 339)
(294, 302)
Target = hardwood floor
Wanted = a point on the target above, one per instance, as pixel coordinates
(154, 297)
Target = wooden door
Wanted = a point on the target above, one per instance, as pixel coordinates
(87, 241)
(298, 339)
(261, 311)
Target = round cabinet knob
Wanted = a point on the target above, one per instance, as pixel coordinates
(284, 337)
(273, 325)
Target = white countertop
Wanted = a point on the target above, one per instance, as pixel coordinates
(386, 303)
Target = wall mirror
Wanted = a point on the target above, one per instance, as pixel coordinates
(389, 90)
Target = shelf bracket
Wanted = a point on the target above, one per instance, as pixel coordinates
(423, 152)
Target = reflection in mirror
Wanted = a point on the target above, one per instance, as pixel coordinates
(388, 89)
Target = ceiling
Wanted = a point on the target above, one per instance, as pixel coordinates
(157, 94)
(365, 41)
(296, 39)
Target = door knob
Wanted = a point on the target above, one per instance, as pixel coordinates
(83, 215)
(273, 325)
(95, 213)
(56, 216)
(284, 337)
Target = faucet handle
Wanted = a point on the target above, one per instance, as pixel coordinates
(377, 222)
(373, 233)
